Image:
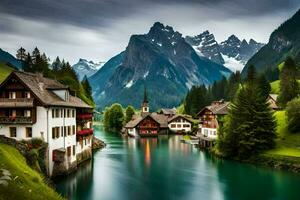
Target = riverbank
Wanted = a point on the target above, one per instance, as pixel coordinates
(19, 181)
(286, 154)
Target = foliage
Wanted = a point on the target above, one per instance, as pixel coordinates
(129, 112)
(4, 71)
(200, 96)
(289, 87)
(59, 70)
(113, 118)
(26, 183)
(264, 85)
(249, 127)
(293, 115)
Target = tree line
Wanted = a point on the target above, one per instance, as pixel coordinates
(115, 117)
(62, 71)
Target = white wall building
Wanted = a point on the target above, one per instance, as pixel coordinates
(32, 106)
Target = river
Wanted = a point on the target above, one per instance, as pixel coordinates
(164, 168)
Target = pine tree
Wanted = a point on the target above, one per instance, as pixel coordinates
(35, 54)
(87, 87)
(264, 85)
(250, 125)
(21, 54)
(129, 112)
(28, 66)
(56, 65)
(289, 87)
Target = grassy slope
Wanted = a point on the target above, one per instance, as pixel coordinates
(275, 88)
(287, 144)
(4, 71)
(26, 183)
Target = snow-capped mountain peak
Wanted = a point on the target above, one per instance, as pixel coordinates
(232, 53)
(86, 68)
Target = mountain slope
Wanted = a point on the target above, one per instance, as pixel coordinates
(163, 61)
(283, 42)
(86, 68)
(9, 60)
(4, 71)
(232, 53)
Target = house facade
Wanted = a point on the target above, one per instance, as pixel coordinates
(180, 123)
(32, 106)
(272, 100)
(209, 119)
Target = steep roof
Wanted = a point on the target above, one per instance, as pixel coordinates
(168, 111)
(273, 96)
(136, 119)
(42, 88)
(188, 118)
(217, 108)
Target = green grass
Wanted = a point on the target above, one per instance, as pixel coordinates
(275, 86)
(4, 71)
(287, 144)
(25, 183)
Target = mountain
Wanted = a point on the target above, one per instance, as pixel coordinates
(86, 68)
(283, 42)
(232, 53)
(162, 61)
(9, 60)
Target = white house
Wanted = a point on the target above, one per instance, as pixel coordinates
(32, 106)
(180, 123)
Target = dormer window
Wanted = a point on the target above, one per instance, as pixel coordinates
(67, 95)
(63, 94)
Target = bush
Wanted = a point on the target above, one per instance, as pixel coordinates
(293, 115)
(36, 142)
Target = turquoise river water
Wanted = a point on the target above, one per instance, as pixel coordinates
(164, 168)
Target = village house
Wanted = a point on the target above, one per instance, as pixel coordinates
(32, 106)
(209, 119)
(272, 100)
(154, 124)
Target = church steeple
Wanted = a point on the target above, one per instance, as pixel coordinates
(145, 105)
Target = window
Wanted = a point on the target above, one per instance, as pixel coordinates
(57, 113)
(27, 95)
(53, 113)
(73, 129)
(13, 131)
(62, 131)
(178, 125)
(28, 131)
(74, 150)
(73, 113)
(65, 131)
(55, 132)
(68, 113)
(12, 95)
(27, 113)
(69, 130)
(186, 126)
(173, 125)
(69, 151)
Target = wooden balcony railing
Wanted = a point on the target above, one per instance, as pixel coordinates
(13, 103)
(16, 120)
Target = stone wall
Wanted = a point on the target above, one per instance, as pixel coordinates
(83, 156)
(23, 148)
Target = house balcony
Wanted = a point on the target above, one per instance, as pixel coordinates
(86, 116)
(85, 132)
(16, 120)
(16, 103)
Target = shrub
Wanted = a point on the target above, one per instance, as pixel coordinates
(293, 115)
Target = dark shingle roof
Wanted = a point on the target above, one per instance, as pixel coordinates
(217, 108)
(168, 111)
(159, 118)
(42, 88)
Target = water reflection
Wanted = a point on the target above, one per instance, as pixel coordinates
(165, 168)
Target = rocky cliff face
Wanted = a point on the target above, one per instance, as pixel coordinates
(283, 42)
(232, 53)
(164, 62)
(86, 68)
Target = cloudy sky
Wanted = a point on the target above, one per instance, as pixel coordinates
(99, 29)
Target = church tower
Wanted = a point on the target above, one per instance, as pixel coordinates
(145, 104)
